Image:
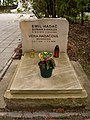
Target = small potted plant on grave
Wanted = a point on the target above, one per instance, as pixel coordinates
(46, 64)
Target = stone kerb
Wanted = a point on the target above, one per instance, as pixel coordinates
(44, 34)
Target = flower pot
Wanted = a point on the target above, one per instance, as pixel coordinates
(46, 73)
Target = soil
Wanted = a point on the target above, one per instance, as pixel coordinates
(79, 44)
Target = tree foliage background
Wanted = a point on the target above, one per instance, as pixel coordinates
(9, 2)
(59, 8)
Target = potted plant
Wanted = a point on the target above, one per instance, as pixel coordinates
(46, 64)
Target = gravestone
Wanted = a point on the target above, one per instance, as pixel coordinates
(44, 34)
(27, 88)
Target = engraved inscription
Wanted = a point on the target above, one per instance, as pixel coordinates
(44, 33)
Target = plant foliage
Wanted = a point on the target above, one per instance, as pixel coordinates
(46, 60)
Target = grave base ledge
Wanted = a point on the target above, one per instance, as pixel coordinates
(25, 99)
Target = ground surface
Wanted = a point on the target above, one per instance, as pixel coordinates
(79, 45)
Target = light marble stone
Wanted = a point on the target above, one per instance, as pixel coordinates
(29, 80)
(28, 89)
(44, 34)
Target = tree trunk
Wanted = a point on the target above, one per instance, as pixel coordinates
(3, 2)
(82, 21)
(82, 14)
(46, 14)
(54, 10)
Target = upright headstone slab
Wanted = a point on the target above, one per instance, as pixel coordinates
(44, 34)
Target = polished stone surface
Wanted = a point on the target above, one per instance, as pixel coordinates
(44, 34)
(29, 80)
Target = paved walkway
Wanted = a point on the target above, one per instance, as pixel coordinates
(10, 37)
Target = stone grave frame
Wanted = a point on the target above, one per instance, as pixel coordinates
(27, 88)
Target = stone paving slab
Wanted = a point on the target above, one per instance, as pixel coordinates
(5, 81)
(10, 37)
(43, 115)
(83, 79)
